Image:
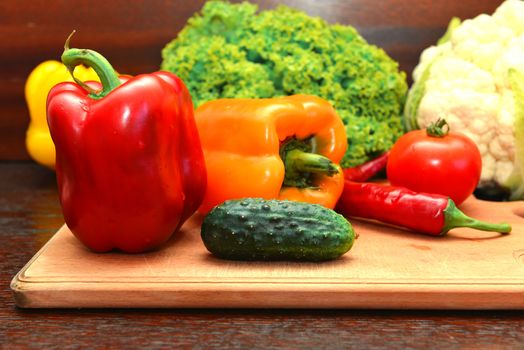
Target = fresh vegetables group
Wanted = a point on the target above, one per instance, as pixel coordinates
(286, 128)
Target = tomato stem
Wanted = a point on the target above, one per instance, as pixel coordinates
(440, 128)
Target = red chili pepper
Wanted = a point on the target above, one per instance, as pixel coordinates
(431, 214)
(129, 165)
(365, 171)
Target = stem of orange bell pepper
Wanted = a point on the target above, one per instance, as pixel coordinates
(298, 162)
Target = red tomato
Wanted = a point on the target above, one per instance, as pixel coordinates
(449, 164)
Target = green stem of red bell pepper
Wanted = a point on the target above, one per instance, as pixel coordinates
(108, 76)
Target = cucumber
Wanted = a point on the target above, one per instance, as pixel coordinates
(258, 229)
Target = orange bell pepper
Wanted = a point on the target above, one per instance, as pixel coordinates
(284, 148)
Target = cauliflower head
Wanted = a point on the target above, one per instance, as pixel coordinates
(474, 78)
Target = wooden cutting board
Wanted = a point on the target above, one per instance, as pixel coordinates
(386, 268)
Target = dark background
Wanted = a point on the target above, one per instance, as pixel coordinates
(131, 35)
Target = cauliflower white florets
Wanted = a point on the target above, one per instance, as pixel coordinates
(466, 80)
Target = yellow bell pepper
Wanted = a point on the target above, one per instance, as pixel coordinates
(46, 75)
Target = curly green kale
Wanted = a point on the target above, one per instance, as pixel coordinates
(234, 51)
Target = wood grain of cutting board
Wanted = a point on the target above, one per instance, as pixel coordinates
(386, 268)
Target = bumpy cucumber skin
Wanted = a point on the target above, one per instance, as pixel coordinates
(267, 230)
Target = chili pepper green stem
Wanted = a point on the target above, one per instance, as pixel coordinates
(454, 218)
(108, 76)
(440, 128)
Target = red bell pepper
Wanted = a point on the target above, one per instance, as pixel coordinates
(129, 164)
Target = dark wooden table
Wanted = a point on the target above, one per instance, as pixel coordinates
(30, 214)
